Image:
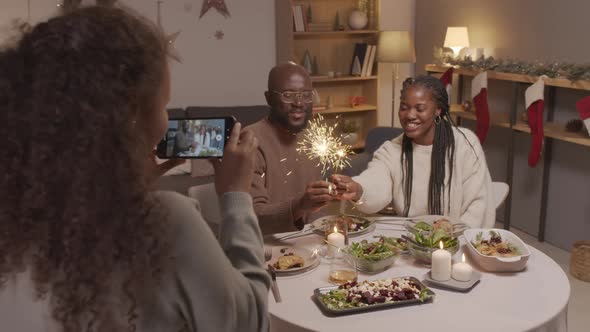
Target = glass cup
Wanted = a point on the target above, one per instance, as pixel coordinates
(339, 225)
(342, 269)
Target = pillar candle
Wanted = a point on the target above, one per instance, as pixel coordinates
(335, 241)
(441, 264)
(462, 271)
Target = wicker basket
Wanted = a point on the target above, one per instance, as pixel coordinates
(580, 261)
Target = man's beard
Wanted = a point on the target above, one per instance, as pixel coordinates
(283, 120)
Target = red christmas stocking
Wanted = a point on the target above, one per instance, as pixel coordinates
(479, 93)
(535, 103)
(447, 81)
(583, 106)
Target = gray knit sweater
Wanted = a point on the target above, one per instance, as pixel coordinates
(212, 288)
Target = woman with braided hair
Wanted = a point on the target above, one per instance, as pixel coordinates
(433, 168)
(86, 244)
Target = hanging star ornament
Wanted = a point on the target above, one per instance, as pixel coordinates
(172, 51)
(217, 4)
(170, 39)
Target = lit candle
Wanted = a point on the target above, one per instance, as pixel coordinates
(335, 241)
(462, 271)
(441, 264)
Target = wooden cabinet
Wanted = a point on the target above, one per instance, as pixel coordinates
(333, 52)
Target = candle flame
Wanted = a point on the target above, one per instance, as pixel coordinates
(463, 258)
(335, 229)
(441, 245)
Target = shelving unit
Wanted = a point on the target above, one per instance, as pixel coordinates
(334, 33)
(334, 52)
(497, 119)
(552, 130)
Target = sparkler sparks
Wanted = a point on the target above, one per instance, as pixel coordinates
(321, 142)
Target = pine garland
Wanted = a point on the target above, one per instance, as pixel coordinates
(557, 69)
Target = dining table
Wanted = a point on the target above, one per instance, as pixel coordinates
(534, 299)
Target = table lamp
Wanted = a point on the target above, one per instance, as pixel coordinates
(395, 47)
(456, 39)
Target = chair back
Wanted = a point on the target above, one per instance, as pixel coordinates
(379, 135)
(500, 192)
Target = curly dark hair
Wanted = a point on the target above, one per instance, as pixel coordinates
(75, 206)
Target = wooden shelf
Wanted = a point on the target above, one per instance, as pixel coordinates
(557, 131)
(334, 33)
(498, 119)
(347, 109)
(494, 75)
(326, 79)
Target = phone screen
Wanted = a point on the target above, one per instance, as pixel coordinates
(195, 138)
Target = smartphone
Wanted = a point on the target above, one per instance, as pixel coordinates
(190, 138)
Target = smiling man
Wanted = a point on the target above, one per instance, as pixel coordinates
(287, 187)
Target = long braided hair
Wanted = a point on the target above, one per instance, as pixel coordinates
(443, 149)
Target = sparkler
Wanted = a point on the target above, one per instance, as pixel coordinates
(321, 142)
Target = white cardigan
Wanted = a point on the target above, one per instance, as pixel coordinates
(472, 197)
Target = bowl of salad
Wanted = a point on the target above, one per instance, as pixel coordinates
(377, 256)
(424, 238)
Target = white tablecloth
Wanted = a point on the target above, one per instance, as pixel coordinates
(532, 300)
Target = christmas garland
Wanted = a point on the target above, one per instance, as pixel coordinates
(557, 69)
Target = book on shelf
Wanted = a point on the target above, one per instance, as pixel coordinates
(360, 49)
(371, 62)
(298, 21)
(366, 61)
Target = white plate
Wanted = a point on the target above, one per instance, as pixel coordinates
(317, 226)
(310, 259)
(494, 263)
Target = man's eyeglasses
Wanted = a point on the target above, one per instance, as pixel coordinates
(289, 97)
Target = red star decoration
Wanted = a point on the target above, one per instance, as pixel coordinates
(217, 4)
(219, 34)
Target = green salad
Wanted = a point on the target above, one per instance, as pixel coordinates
(425, 235)
(367, 293)
(373, 251)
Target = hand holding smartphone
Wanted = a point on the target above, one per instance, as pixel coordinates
(194, 138)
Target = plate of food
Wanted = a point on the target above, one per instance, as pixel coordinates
(497, 250)
(356, 225)
(293, 260)
(368, 295)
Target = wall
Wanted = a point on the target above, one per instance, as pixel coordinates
(228, 72)
(530, 30)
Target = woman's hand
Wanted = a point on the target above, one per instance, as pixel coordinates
(156, 170)
(235, 171)
(317, 195)
(346, 188)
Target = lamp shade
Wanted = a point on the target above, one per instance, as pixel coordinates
(456, 37)
(396, 47)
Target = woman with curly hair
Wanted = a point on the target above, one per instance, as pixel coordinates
(85, 244)
(433, 168)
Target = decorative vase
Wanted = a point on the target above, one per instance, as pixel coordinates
(357, 20)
